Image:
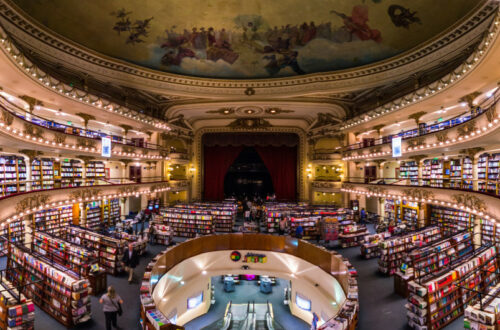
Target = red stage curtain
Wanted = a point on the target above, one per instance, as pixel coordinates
(217, 163)
(281, 162)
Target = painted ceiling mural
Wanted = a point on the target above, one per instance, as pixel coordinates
(237, 39)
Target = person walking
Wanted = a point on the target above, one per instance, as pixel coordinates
(282, 226)
(363, 216)
(111, 305)
(130, 259)
(151, 233)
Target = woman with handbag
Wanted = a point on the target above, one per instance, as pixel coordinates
(111, 306)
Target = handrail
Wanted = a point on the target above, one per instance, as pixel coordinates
(416, 132)
(62, 128)
(29, 186)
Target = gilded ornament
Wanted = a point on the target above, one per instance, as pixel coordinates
(32, 202)
(470, 201)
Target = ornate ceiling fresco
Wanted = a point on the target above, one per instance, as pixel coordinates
(248, 39)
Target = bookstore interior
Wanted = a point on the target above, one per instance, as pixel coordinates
(217, 165)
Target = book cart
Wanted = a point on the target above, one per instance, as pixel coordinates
(57, 290)
(432, 258)
(441, 297)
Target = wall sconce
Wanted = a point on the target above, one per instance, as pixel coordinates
(192, 170)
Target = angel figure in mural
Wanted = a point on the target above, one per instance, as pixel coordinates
(123, 24)
(140, 29)
(357, 26)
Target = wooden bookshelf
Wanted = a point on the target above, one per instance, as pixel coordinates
(310, 226)
(353, 235)
(57, 290)
(16, 311)
(440, 300)
(188, 222)
(371, 247)
(394, 250)
(12, 175)
(451, 221)
(110, 249)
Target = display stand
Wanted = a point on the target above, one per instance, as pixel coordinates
(486, 314)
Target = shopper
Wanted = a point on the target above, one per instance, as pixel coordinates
(247, 215)
(299, 232)
(282, 225)
(151, 233)
(111, 304)
(130, 259)
(363, 216)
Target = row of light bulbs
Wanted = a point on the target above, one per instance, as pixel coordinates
(423, 200)
(460, 139)
(75, 94)
(79, 200)
(42, 141)
(417, 96)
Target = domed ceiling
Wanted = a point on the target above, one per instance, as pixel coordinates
(236, 39)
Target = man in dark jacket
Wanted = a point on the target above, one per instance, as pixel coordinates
(131, 260)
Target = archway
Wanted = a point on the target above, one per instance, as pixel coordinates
(248, 176)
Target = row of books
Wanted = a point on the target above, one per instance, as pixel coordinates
(57, 290)
(16, 311)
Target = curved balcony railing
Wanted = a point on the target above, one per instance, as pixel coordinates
(471, 198)
(30, 186)
(23, 203)
(426, 129)
(483, 186)
(72, 130)
(69, 138)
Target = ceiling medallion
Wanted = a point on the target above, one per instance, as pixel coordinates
(249, 110)
(250, 123)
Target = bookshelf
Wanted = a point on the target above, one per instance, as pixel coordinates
(57, 290)
(114, 211)
(110, 249)
(188, 222)
(16, 311)
(95, 170)
(162, 235)
(273, 219)
(482, 165)
(71, 172)
(409, 170)
(93, 215)
(4, 242)
(224, 220)
(53, 220)
(394, 250)
(456, 170)
(484, 315)
(410, 215)
(467, 173)
(370, 248)
(352, 235)
(493, 169)
(310, 226)
(12, 173)
(426, 172)
(14, 232)
(69, 255)
(450, 220)
(442, 298)
(430, 259)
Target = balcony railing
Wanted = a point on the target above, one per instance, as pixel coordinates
(430, 128)
(484, 186)
(72, 130)
(28, 186)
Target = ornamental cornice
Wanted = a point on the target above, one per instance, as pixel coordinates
(40, 39)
